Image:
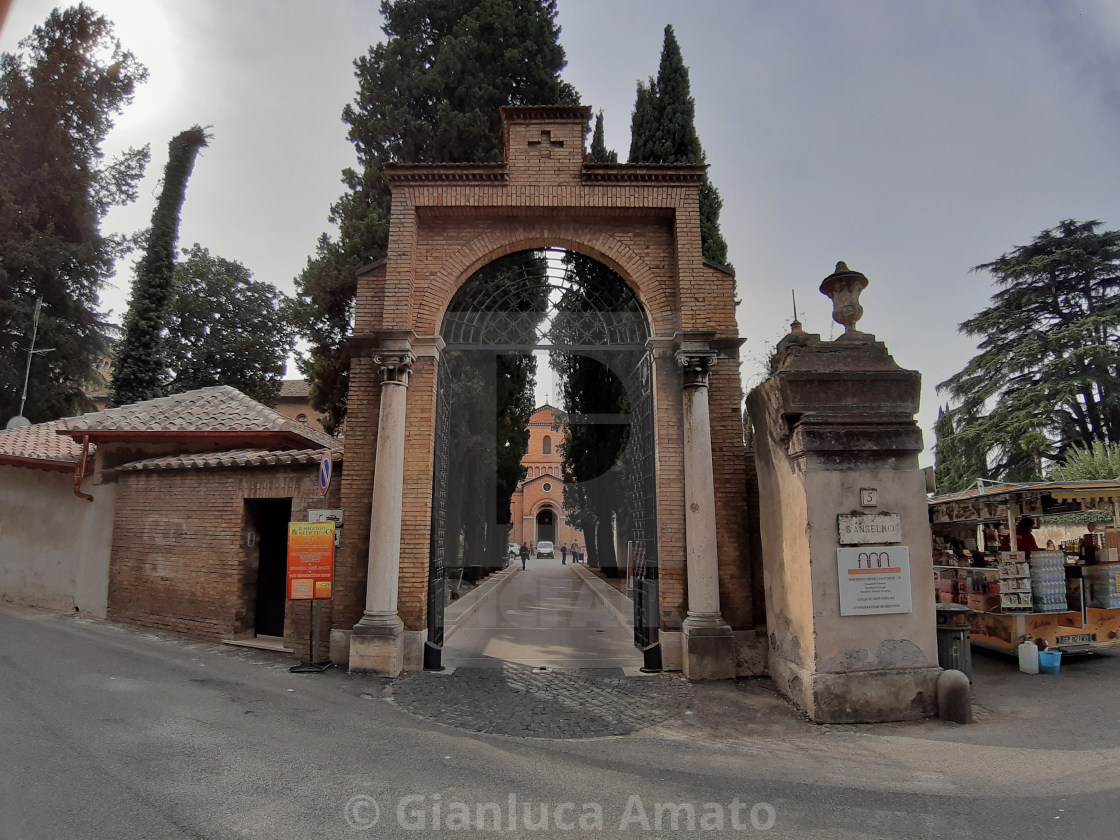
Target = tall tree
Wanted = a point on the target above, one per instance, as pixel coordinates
(224, 328)
(430, 93)
(599, 152)
(663, 130)
(1047, 376)
(140, 366)
(958, 462)
(59, 95)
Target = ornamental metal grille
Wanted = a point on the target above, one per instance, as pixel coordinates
(571, 307)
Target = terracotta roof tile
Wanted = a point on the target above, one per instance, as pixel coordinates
(40, 442)
(216, 409)
(295, 388)
(233, 458)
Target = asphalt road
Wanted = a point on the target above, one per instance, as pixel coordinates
(112, 733)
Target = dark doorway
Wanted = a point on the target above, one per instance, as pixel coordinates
(269, 520)
(546, 526)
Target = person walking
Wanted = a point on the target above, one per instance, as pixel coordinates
(524, 553)
(564, 556)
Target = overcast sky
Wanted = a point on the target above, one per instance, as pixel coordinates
(912, 140)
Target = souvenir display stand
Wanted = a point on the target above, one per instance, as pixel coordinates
(1051, 596)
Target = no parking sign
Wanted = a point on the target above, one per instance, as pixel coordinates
(325, 473)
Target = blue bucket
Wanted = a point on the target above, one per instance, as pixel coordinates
(1049, 661)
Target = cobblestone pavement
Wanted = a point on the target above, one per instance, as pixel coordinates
(525, 702)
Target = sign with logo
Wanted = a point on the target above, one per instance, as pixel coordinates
(310, 560)
(874, 580)
(325, 470)
(864, 528)
(329, 515)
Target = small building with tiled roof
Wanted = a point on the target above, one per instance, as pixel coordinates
(295, 403)
(172, 511)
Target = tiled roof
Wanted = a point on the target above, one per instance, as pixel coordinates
(40, 442)
(216, 409)
(233, 458)
(295, 388)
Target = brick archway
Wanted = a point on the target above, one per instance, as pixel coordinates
(643, 222)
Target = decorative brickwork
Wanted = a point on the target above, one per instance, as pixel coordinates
(643, 222)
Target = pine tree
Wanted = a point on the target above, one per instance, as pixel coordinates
(429, 94)
(663, 130)
(59, 95)
(140, 365)
(1047, 377)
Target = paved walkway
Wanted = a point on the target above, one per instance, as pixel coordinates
(546, 616)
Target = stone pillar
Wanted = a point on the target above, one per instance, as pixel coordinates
(377, 642)
(708, 647)
(837, 457)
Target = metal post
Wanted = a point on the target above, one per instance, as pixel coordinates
(30, 352)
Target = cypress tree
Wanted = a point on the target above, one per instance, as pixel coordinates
(599, 152)
(140, 366)
(663, 130)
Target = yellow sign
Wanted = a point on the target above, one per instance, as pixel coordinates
(310, 560)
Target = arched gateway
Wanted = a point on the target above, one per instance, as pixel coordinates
(642, 221)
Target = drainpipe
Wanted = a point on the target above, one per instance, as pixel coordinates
(81, 473)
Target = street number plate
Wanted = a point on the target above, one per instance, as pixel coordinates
(1079, 638)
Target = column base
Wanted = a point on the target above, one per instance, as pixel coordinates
(707, 648)
(377, 646)
(875, 696)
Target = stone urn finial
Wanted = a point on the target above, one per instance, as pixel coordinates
(844, 287)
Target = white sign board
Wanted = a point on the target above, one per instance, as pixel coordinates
(874, 580)
(863, 528)
(328, 515)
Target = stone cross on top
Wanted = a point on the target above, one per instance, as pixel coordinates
(545, 141)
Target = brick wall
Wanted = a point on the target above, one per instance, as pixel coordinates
(179, 563)
(641, 221)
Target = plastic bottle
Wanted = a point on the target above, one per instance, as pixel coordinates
(1028, 657)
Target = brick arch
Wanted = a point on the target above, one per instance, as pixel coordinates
(612, 252)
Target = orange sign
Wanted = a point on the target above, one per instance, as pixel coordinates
(310, 560)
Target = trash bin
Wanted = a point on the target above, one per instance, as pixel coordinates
(954, 639)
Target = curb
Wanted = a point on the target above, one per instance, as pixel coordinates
(475, 598)
(609, 597)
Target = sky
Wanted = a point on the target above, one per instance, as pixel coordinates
(911, 140)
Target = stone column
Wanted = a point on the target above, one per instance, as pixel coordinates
(377, 643)
(708, 645)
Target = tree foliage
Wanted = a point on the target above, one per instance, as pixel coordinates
(1099, 462)
(599, 152)
(958, 462)
(1047, 376)
(430, 93)
(59, 96)
(663, 130)
(224, 328)
(140, 365)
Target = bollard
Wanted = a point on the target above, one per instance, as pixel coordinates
(954, 697)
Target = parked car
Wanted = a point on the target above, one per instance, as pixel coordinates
(545, 549)
(513, 550)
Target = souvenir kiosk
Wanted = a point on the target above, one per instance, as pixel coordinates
(1054, 597)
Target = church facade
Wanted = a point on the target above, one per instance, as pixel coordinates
(537, 506)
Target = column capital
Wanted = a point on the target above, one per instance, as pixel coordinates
(395, 365)
(696, 365)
